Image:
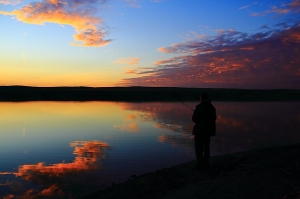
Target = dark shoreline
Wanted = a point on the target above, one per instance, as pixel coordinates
(141, 94)
(258, 173)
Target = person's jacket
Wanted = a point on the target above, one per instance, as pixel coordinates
(204, 117)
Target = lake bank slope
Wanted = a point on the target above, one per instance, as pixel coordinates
(260, 173)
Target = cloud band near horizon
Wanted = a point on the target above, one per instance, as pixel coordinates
(231, 59)
(268, 59)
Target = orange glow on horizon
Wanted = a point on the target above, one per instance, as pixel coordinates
(77, 79)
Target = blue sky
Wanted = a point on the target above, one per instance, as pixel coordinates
(218, 44)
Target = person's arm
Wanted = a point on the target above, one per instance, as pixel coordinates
(196, 115)
(215, 114)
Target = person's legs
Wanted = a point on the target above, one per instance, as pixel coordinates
(206, 146)
(198, 150)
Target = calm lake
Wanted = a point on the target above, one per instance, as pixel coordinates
(65, 149)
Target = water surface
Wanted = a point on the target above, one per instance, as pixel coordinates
(64, 149)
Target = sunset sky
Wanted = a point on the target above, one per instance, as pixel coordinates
(182, 43)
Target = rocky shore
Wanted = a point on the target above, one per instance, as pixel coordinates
(259, 173)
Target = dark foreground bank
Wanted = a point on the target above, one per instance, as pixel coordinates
(260, 173)
(24, 93)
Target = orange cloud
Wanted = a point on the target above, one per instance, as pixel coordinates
(65, 13)
(129, 124)
(49, 191)
(163, 50)
(129, 71)
(130, 117)
(168, 50)
(9, 196)
(88, 153)
(128, 60)
(294, 37)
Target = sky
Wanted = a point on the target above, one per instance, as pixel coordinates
(174, 43)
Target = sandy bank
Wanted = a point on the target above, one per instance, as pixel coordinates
(260, 173)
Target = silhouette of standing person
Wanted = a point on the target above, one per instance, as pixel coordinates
(204, 117)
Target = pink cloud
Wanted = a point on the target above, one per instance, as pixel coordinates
(268, 59)
(10, 2)
(294, 6)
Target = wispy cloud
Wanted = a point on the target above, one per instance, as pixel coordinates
(133, 3)
(294, 6)
(193, 35)
(131, 71)
(78, 14)
(128, 61)
(243, 7)
(268, 59)
(222, 31)
(10, 2)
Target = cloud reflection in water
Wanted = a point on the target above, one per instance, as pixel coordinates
(61, 179)
(164, 128)
(240, 125)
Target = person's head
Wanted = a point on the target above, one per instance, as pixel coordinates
(203, 96)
